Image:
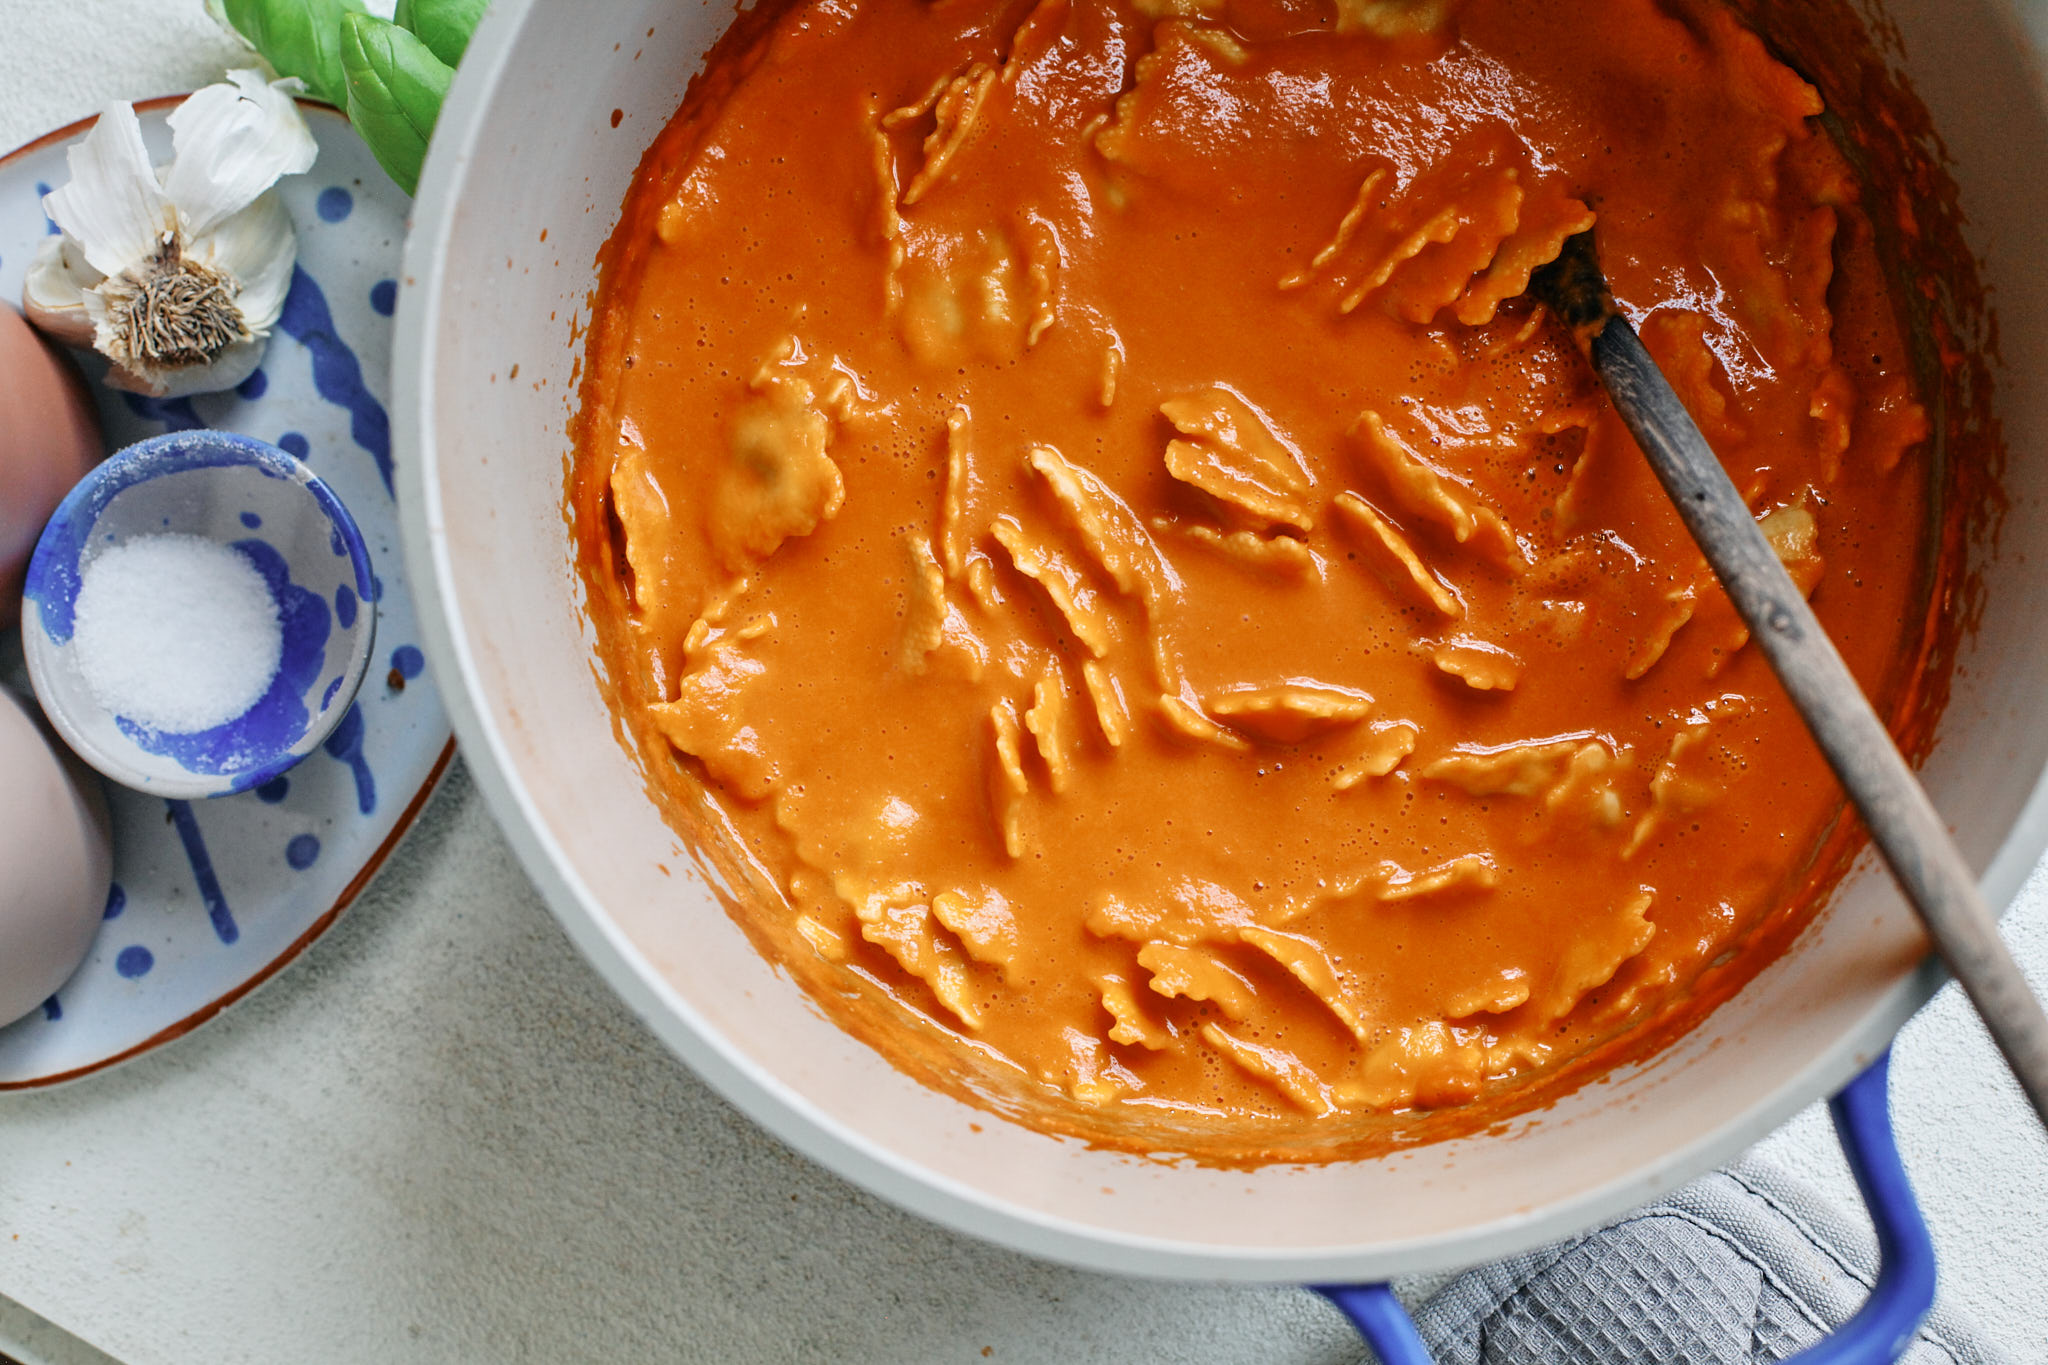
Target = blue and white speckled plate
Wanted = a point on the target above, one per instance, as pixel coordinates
(211, 897)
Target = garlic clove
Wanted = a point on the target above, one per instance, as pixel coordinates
(177, 275)
(257, 248)
(230, 367)
(53, 292)
(231, 142)
(113, 207)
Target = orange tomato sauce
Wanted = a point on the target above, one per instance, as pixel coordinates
(1084, 524)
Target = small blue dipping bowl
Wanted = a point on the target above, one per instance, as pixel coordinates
(271, 508)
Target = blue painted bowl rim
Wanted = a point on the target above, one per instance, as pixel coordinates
(172, 452)
(176, 452)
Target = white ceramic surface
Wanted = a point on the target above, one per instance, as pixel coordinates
(572, 103)
(210, 898)
(276, 512)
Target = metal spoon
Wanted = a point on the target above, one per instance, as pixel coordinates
(1902, 822)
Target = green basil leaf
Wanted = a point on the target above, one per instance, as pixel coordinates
(299, 37)
(443, 25)
(395, 86)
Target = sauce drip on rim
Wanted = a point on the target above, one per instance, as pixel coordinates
(1080, 513)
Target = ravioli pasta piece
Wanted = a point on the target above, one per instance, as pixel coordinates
(1466, 872)
(1007, 784)
(1221, 42)
(1385, 745)
(1511, 770)
(905, 933)
(1376, 530)
(1087, 1071)
(1077, 603)
(825, 940)
(1181, 973)
(1677, 339)
(1430, 1065)
(1231, 451)
(985, 925)
(1548, 216)
(1505, 990)
(1116, 138)
(1044, 260)
(962, 298)
(778, 481)
(1481, 666)
(1392, 18)
(956, 111)
(1307, 963)
(1679, 605)
(953, 501)
(1036, 38)
(1593, 955)
(1288, 1074)
(1184, 720)
(1133, 1026)
(1430, 493)
(1486, 209)
(1694, 770)
(888, 211)
(1190, 911)
(1369, 190)
(1277, 554)
(1112, 714)
(1110, 530)
(1050, 720)
(1794, 537)
(1390, 242)
(924, 612)
(1290, 712)
(707, 720)
(644, 518)
(1586, 796)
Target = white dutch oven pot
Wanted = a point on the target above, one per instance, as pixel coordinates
(548, 117)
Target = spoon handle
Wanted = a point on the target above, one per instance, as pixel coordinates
(1902, 821)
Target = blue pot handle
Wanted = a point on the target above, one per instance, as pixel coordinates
(1881, 1329)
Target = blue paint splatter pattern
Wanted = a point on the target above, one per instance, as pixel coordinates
(346, 744)
(302, 852)
(336, 372)
(201, 863)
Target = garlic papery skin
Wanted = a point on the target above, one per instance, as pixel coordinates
(176, 273)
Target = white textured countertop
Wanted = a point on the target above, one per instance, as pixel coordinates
(439, 1138)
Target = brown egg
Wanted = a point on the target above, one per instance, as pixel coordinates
(49, 439)
(56, 861)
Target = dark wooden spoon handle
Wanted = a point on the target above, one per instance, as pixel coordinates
(1902, 821)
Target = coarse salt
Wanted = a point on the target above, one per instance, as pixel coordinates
(176, 633)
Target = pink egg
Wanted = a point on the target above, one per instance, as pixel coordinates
(49, 439)
(56, 861)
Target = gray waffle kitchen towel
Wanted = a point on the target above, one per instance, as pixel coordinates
(1744, 1267)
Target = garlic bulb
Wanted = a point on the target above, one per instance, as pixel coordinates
(176, 273)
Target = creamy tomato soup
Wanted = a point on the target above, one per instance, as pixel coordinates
(1163, 636)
